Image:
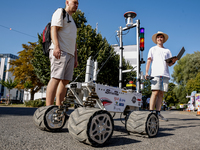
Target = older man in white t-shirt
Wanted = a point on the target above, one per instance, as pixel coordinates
(159, 70)
(63, 52)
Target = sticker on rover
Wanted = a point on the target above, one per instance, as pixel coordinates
(124, 91)
(111, 91)
(117, 108)
(105, 101)
(122, 100)
(134, 99)
(121, 104)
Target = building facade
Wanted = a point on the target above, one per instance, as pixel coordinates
(41, 94)
(15, 94)
(129, 53)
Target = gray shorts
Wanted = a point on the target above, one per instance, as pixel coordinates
(160, 83)
(62, 68)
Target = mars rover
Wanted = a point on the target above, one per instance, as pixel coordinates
(91, 122)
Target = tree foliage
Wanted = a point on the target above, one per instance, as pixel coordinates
(28, 85)
(193, 84)
(186, 70)
(9, 84)
(147, 88)
(170, 96)
(41, 63)
(23, 70)
(90, 43)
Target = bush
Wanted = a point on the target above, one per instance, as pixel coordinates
(35, 103)
(178, 106)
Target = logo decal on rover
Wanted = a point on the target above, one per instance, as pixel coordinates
(105, 101)
(134, 99)
(111, 91)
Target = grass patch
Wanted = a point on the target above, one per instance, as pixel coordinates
(13, 105)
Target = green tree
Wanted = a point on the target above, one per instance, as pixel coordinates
(193, 84)
(28, 85)
(89, 43)
(41, 63)
(147, 88)
(9, 84)
(186, 69)
(170, 96)
(23, 70)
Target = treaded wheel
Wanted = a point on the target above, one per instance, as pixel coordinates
(143, 122)
(45, 118)
(91, 125)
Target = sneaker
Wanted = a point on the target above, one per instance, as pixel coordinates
(161, 117)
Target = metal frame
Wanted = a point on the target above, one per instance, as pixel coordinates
(137, 25)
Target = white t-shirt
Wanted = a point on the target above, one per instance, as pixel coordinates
(67, 33)
(159, 66)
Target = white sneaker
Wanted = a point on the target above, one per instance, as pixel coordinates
(161, 117)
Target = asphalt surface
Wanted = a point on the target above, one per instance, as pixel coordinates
(18, 132)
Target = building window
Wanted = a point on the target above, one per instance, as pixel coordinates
(16, 94)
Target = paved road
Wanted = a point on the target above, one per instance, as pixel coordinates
(18, 132)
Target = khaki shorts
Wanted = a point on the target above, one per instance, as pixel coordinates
(62, 68)
(160, 83)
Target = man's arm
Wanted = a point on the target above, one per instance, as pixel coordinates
(147, 67)
(54, 37)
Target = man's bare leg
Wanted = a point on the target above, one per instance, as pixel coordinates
(159, 101)
(159, 104)
(51, 91)
(61, 91)
(153, 98)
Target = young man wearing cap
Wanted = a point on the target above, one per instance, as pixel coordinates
(159, 70)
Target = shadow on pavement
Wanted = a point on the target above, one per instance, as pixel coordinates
(160, 134)
(17, 111)
(187, 119)
(118, 141)
(21, 111)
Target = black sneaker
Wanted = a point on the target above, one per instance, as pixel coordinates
(161, 117)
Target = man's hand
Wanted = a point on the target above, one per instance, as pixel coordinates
(57, 52)
(146, 76)
(173, 61)
(75, 64)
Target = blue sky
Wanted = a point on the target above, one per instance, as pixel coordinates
(180, 19)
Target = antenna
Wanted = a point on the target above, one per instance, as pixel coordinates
(129, 17)
(97, 28)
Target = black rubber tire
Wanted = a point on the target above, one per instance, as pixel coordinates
(42, 122)
(143, 122)
(82, 125)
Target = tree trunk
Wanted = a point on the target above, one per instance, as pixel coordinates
(8, 102)
(32, 95)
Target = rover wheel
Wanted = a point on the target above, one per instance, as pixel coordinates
(152, 125)
(46, 118)
(91, 125)
(143, 123)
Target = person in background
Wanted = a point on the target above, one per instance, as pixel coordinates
(148, 100)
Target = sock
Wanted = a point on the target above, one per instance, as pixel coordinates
(157, 112)
(151, 111)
